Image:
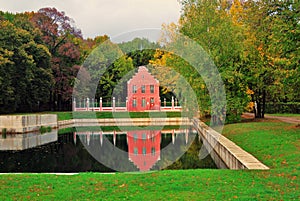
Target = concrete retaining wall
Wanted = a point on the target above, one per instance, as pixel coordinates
(125, 122)
(225, 153)
(27, 123)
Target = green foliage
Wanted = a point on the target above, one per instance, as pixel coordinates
(140, 50)
(25, 77)
(290, 107)
(254, 44)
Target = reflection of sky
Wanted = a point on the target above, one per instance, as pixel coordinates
(111, 17)
(143, 147)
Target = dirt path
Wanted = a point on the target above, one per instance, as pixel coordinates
(292, 120)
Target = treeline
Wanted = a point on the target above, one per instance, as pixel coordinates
(254, 44)
(40, 56)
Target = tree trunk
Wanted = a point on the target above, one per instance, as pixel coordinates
(264, 104)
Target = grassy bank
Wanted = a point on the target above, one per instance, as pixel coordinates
(296, 116)
(108, 115)
(276, 144)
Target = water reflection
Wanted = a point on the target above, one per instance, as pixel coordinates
(130, 150)
(142, 148)
(26, 141)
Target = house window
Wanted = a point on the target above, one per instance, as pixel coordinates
(153, 151)
(134, 102)
(144, 136)
(152, 100)
(152, 89)
(135, 151)
(143, 102)
(143, 89)
(135, 137)
(134, 89)
(144, 150)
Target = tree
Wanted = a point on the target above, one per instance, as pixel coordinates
(59, 33)
(210, 25)
(272, 57)
(141, 51)
(25, 67)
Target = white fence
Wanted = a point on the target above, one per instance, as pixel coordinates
(93, 105)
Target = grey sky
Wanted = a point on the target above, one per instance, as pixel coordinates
(111, 17)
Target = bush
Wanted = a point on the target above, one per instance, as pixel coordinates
(290, 107)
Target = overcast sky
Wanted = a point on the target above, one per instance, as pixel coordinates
(111, 17)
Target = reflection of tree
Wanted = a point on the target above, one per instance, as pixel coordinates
(66, 156)
(190, 158)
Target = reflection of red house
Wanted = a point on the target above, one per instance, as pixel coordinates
(143, 91)
(144, 148)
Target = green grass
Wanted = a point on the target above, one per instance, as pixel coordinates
(297, 116)
(103, 115)
(276, 144)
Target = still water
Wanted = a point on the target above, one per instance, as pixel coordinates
(99, 151)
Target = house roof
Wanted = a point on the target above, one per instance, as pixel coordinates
(143, 76)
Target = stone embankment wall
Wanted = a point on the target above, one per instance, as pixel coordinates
(224, 152)
(27, 123)
(125, 122)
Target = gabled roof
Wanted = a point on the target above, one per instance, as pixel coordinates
(143, 76)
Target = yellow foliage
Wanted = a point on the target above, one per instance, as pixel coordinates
(249, 92)
(250, 106)
(236, 12)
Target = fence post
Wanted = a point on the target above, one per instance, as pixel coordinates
(165, 102)
(114, 103)
(100, 103)
(172, 102)
(127, 103)
(74, 105)
(87, 104)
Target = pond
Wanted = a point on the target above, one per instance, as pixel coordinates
(94, 150)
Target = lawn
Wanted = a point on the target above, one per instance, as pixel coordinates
(275, 143)
(103, 115)
(297, 116)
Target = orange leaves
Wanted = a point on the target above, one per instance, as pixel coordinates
(249, 92)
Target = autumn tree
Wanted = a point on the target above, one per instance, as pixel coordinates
(58, 34)
(271, 56)
(209, 24)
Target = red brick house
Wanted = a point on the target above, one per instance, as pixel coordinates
(143, 91)
(144, 148)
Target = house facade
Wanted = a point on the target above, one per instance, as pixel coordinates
(143, 91)
(144, 148)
